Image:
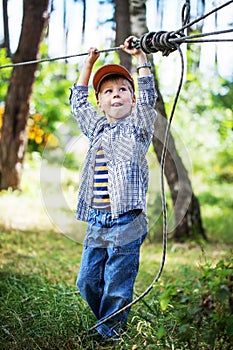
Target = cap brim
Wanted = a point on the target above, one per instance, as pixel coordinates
(107, 70)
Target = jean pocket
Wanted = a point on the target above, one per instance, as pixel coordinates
(132, 247)
(128, 217)
(132, 233)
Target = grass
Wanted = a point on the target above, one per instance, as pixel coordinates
(189, 308)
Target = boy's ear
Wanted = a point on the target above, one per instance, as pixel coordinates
(99, 106)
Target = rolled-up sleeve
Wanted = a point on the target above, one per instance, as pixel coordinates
(146, 91)
(145, 115)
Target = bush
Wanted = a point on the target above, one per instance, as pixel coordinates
(195, 311)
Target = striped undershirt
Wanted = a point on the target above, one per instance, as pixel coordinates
(101, 198)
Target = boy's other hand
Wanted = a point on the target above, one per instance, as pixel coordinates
(92, 56)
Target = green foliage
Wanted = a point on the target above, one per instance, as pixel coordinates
(49, 108)
(197, 308)
(50, 100)
(223, 168)
(223, 98)
(204, 120)
(5, 74)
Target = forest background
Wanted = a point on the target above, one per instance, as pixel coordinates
(191, 307)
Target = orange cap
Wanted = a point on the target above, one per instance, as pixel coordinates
(110, 69)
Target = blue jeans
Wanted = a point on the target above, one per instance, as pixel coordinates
(107, 274)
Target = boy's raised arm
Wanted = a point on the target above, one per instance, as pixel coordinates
(143, 64)
(93, 55)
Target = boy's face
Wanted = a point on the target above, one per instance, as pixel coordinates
(116, 98)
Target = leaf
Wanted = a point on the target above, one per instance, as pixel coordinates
(229, 327)
(164, 303)
(161, 332)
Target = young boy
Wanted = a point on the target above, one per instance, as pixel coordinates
(112, 195)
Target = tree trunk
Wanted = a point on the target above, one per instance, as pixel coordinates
(186, 206)
(14, 129)
(6, 42)
(187, 215)
(122, 20)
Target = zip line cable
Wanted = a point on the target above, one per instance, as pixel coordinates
(203, 16)
(56, 58)
(166, 42)
(183, 39)
(171, 38)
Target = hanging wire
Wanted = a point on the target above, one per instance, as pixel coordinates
(185, 13)
(185, 39)
(203, 16)
(167, 39)
(171, 40)
(10, 65)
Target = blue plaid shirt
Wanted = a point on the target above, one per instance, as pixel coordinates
(125, 144)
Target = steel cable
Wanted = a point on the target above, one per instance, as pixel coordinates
(171, 38)
(163, 46)
(10, 65)
(203, 16)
